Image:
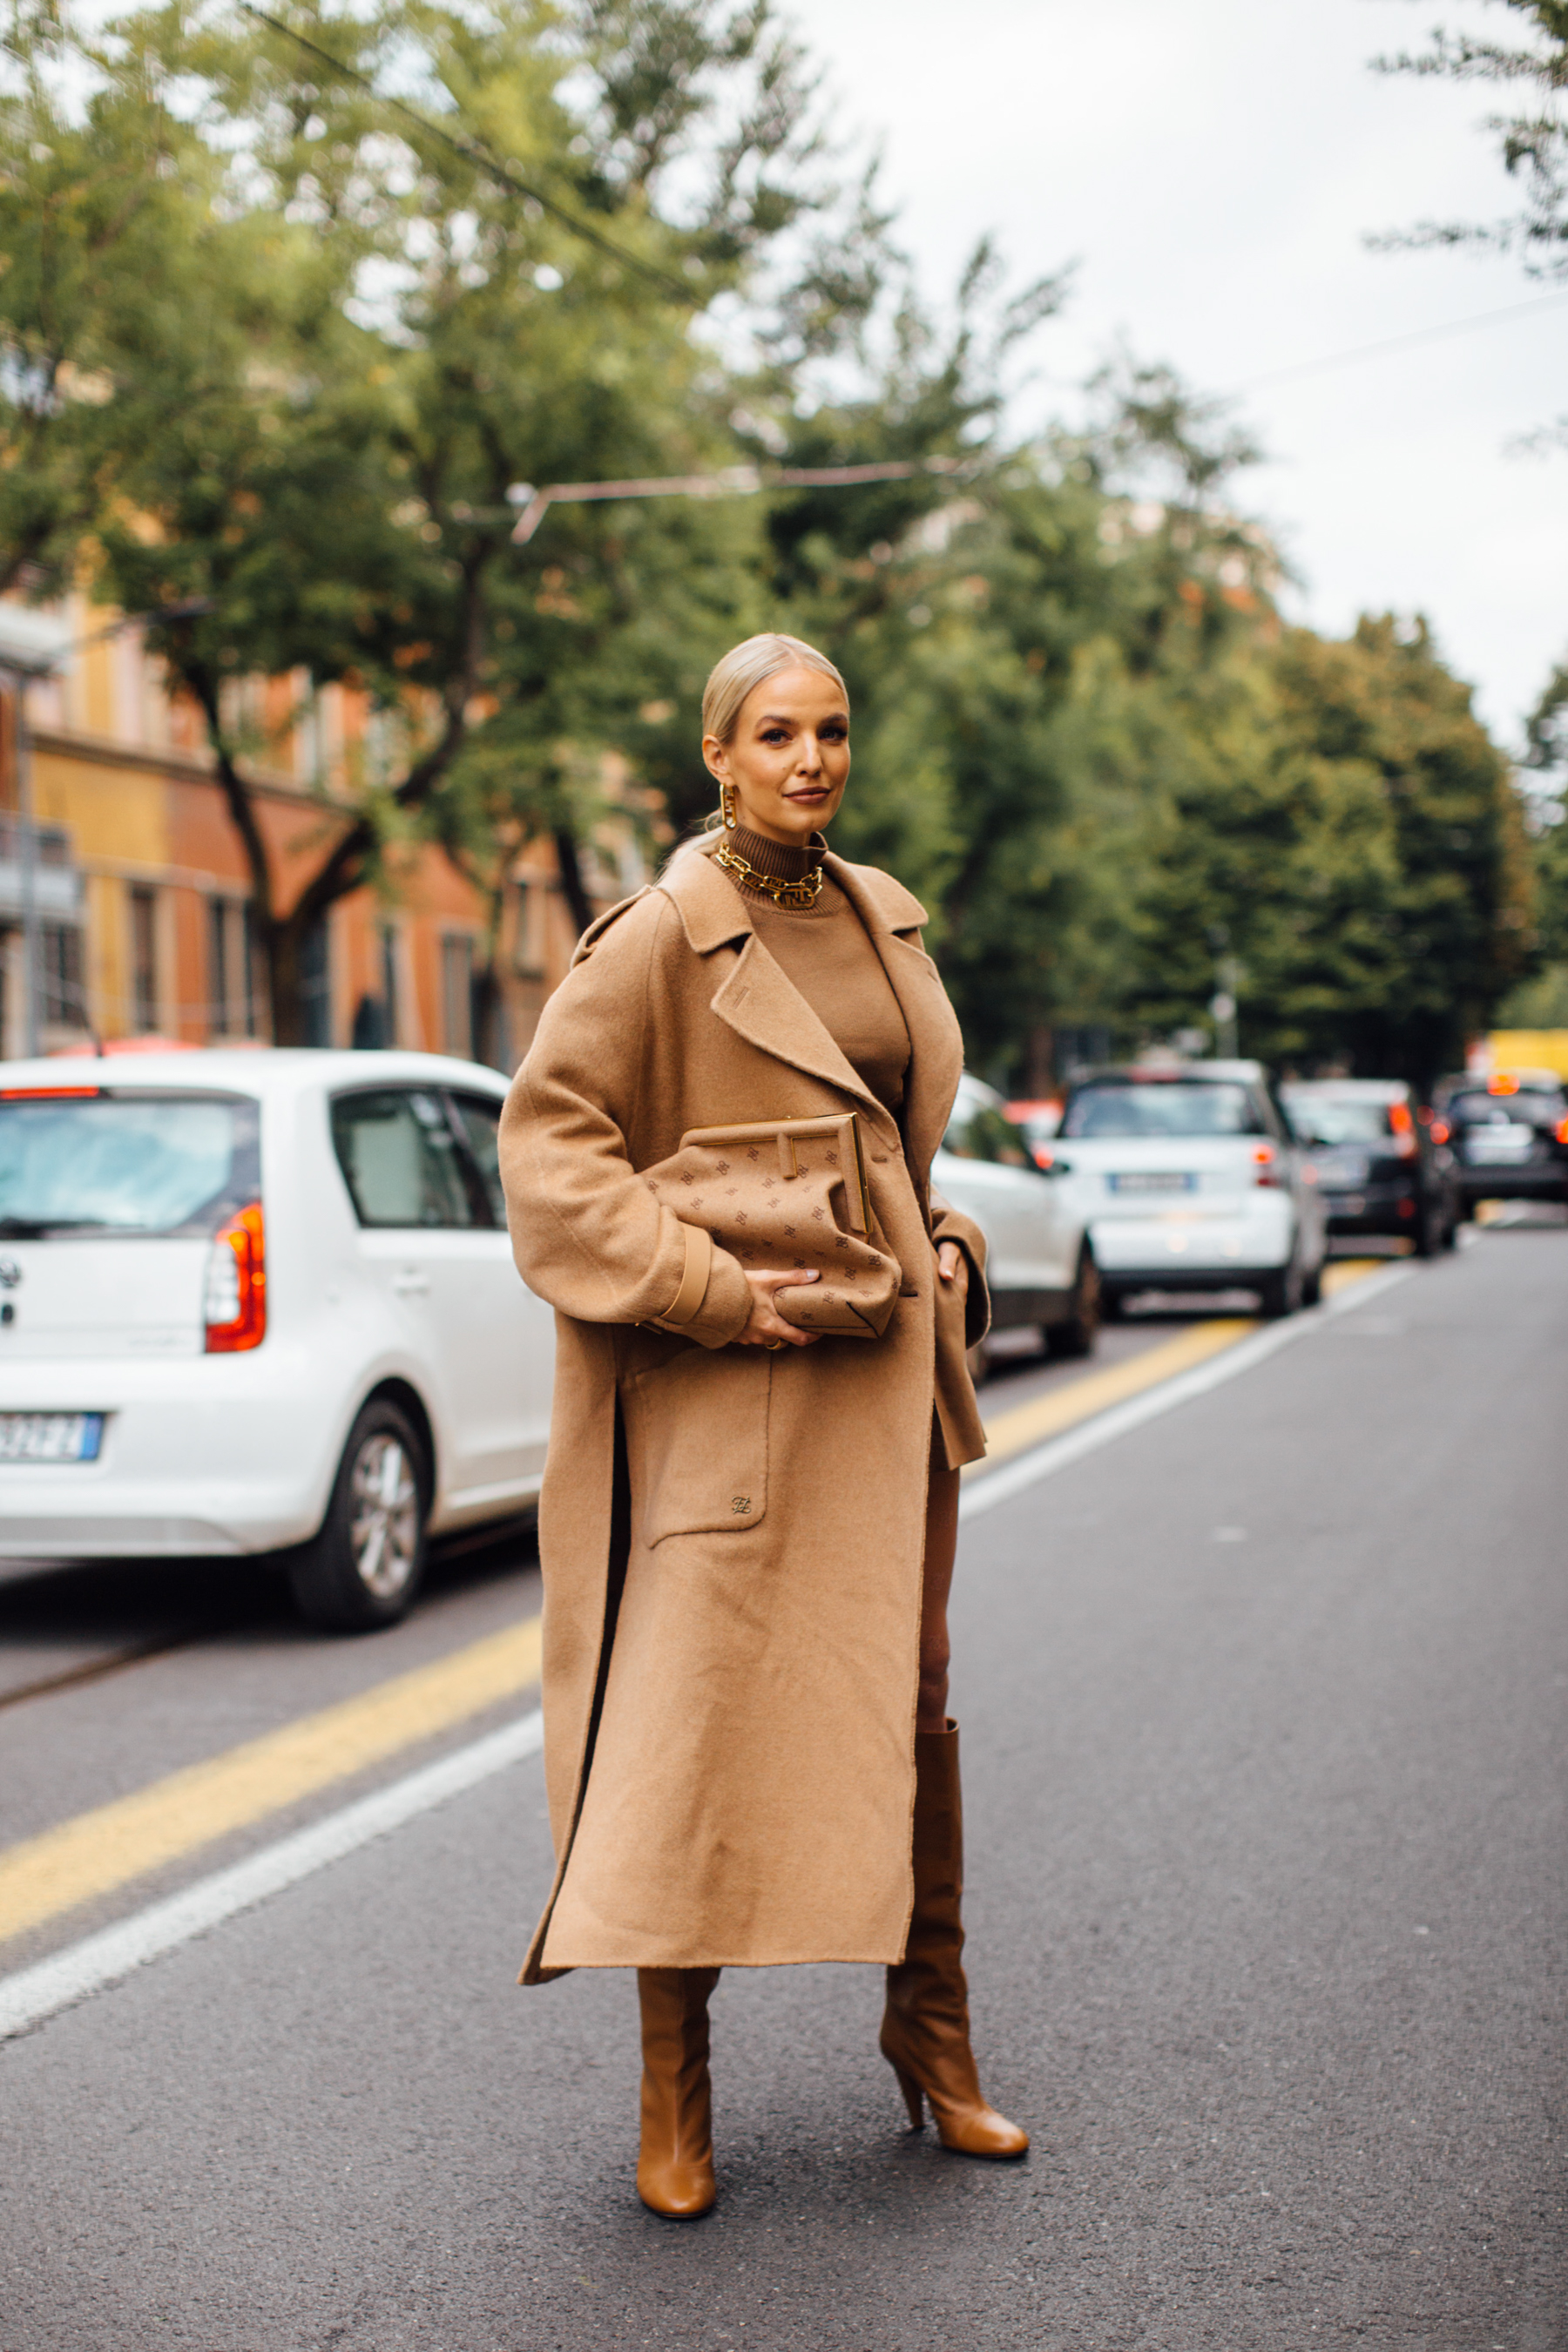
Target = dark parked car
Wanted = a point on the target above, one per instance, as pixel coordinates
(1382, 1167)
(1509, 1137)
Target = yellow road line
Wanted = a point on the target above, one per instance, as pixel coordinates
(99, 1851)
(1064, 1408)
(1346, 1270)
(1079, 1399)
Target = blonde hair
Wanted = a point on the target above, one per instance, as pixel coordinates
(744, 668)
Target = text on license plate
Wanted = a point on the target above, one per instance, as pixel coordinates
(50, 1436)
(1145, 1180)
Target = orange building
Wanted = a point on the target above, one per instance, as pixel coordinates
(143, 891)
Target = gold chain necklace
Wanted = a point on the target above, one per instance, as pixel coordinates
(776, 887)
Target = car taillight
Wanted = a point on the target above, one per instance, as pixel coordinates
(1440, 1131)
(1402, 1127)
(1044, 1156)
(1562, 1130)
(1268, 1170)
(237, 1284)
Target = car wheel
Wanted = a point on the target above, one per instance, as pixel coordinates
(1112, 1305)
(1281, 1294)
(1076, 1335)
(1428, 1235)
(1313, 1286)
(365, 1566)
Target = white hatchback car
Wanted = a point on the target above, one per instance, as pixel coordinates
(1040, 1266)
(262, 1302)
(1191, 1178)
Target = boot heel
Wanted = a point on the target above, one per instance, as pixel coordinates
(913, 2099)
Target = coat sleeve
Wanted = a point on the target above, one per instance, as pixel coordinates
(587, 1235)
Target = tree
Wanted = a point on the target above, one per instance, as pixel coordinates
(1342, 816)
(1532, 136)
(111, 252)
(335, 487)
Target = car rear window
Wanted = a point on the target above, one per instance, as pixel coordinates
(1158, 1107)
(1322, 1118)
(124, 1163)
(978, 1130)
(1530, 1107)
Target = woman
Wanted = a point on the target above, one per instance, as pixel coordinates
(747, 1531)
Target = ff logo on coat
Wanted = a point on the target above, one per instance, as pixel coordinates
(740, 1505)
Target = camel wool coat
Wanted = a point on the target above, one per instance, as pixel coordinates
(729, 1700)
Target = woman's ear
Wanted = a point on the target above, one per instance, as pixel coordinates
(715, 758)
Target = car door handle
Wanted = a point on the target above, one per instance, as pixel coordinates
(411, 1284)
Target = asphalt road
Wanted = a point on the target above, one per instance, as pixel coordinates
(1264, 1725)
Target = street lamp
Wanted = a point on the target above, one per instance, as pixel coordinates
(32, 645)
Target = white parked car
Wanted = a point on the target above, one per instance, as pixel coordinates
(1190, 1178)
(1040, 1265)
(262, 1302)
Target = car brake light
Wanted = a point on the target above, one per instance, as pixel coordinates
(1403, 1129)
(1562, 1130)
(1440, 1131)
(1043, 1158)
(46, 1094)
(236, 1285)
(1502, 1085)
(1268, 1173)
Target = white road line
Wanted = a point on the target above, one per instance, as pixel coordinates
(1057, 1453)
(36, 1993)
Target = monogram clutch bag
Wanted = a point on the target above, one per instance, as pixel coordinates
(785, 1193)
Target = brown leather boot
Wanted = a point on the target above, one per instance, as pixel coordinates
(925, 2026)
(675, 2168)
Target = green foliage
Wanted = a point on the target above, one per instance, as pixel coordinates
(1346, 823)
(288, 309)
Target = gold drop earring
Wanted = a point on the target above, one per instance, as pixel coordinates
(727, 806)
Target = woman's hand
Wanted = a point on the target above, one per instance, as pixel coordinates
(767, 1328)
(952, 1267)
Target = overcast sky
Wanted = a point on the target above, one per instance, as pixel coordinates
(1213, 166)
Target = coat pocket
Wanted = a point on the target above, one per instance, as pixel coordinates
(698, 1432)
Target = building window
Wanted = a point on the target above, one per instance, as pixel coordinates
(62, 999)
(143, 960)
(457, 994)
(231, 988)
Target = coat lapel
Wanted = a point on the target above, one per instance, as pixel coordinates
(936, 1043)
(761, 1005)
(756, 997)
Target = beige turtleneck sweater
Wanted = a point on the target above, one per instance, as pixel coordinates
(827, 952)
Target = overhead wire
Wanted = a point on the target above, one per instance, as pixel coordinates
(1401, 342)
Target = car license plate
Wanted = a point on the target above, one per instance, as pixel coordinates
(1338, 1169)
(50, 1436)
(1143, 1180)
(1502, 1143)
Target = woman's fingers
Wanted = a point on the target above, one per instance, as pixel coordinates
(767, 1328)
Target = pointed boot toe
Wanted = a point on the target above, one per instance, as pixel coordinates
(678, 2191)
(980, 2131)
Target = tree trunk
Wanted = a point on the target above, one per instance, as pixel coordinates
(571, 883)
